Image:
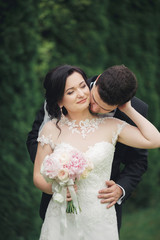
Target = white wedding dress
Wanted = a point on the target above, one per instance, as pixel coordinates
(96, 139)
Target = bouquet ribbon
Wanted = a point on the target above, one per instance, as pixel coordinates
(60, 193)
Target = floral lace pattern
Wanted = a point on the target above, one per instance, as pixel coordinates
(96, 221)
(84, 127)
(46, 140)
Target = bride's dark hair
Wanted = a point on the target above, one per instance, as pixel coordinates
(54, 84)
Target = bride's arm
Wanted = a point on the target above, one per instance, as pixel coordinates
(145, 135)
(38, 179)
(45, 147)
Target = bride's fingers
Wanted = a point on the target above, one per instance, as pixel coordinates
(68, 199)
(75, 187)
(69, 195)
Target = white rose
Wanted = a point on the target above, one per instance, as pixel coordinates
(88, 169)
(85, 173)
(90, 166)
(63, 175)
(58, 197)
(64, 158)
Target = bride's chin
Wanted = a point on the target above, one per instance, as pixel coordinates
(87, 104)
(83, 107)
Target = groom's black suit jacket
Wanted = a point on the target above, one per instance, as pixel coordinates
(134, 160)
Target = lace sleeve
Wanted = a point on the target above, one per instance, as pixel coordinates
(45, 136)
(119, 129)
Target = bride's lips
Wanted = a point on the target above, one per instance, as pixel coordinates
(82, 101)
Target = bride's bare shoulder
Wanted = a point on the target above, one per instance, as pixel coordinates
(50, 127)
(112, 122)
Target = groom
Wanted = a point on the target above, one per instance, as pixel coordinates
(114, 87)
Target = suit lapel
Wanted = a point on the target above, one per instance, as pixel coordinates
(119, 114)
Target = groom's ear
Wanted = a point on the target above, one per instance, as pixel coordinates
(97, 78)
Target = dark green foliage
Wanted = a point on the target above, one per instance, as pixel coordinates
(73, 32)
(141, 224)
(39, 35)
(19, 97)
(134, 30)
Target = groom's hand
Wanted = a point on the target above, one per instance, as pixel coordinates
(110, 194)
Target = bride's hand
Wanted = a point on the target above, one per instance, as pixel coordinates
(68, 199)
(125, 107)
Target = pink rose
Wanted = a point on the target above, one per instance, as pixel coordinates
(50, 168)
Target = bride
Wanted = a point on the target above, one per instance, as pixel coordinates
(72, 126)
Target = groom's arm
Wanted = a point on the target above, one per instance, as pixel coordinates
(33, 134)
(134, 160)
(135, 165)
(121, 186)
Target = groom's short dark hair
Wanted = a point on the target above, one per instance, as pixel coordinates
(116, 85)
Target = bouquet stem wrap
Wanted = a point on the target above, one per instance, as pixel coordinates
(62, 168)
(59, 195)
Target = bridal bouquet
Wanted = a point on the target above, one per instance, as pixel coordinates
(63, 168)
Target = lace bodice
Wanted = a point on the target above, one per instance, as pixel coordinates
(98, 145)
(87, 133)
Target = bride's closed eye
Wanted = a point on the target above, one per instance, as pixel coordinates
(69, 93)
(82, 85)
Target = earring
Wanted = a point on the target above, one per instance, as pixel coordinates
(61, 110)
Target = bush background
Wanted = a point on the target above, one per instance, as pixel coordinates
(39, 35)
